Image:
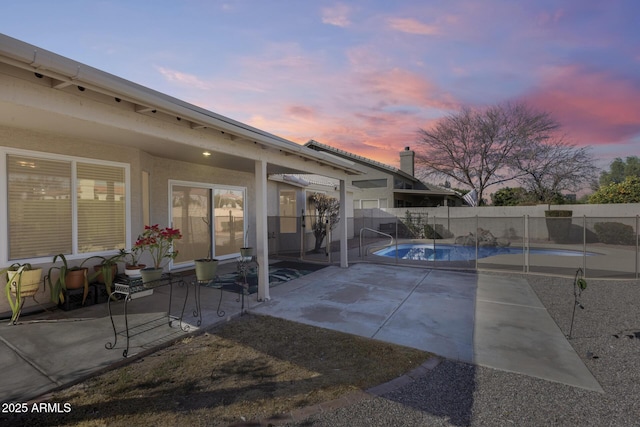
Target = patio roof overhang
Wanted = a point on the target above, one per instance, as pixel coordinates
(125, 113)
(424, 192)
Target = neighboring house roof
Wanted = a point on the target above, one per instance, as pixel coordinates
(304, 180)
(419, 186)
(360, 159)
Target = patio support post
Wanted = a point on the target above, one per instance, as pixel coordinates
(262, 245)
(342, 225)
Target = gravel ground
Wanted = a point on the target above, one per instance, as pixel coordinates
(605, 334)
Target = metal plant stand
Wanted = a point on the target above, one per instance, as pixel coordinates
(133, 288)
(197, 312)
(243, 265)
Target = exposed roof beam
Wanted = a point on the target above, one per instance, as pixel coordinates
(58, 84)
(143, 109)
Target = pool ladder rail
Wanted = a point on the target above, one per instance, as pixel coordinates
(392, 241)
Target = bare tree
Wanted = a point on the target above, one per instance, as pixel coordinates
(546, 169)
(327, 214)
(476, 147)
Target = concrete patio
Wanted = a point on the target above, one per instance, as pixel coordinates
(477, 318)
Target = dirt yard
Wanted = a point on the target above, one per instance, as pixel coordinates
(250, 368)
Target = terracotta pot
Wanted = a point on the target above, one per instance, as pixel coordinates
(100, 277)
(76, 278)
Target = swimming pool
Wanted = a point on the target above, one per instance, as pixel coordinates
(448, 252)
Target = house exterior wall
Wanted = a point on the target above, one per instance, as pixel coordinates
(56, 105)
(378, 194)
(161, 170)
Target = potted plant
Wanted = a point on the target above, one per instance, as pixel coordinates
(559, 225)
(68, 278)
(131, 260)
(106, 271)
(159, 243)
(22, 281)
(206, 268)
(246, 251)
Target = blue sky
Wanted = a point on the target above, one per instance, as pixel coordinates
(363, 75)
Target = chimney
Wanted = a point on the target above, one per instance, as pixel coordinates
(407, 160)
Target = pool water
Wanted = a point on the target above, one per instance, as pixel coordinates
(446, 252)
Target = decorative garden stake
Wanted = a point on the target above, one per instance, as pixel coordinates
(579, 285)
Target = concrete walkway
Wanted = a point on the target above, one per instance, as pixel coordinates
(477, 318)
(482, 319)
(47, 350)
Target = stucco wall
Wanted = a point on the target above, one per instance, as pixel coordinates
(161, 171)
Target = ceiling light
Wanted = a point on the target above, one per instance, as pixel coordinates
(206, 153)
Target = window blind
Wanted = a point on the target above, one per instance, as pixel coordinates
(101, 207)
(39, 207)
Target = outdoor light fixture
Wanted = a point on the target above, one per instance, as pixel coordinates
(81, 88)
(206, 153)
(38, 75)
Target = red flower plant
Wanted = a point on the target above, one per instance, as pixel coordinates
(159, 242)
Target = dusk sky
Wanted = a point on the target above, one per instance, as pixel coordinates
(363, 75)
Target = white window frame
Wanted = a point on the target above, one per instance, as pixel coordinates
(73, 160)
(213, 187)
(377, 202)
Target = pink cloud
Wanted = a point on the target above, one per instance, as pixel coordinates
(301, 111)
(184, 79)
(337, 15)
(402, 87)
(593, 107)
(413, 26)
(291, 93)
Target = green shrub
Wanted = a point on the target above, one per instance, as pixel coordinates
(615, 233)
(627, 191)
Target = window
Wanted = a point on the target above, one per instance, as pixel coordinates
(288, 219)
(311, 215)
(191, 214)
(230, 225)
(370, 183)
(64, 205)
(369, 204)
(194, 207)
(101, 207)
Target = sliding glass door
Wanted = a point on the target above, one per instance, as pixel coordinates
(211, 219)
(230, 231)
(191, 214)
